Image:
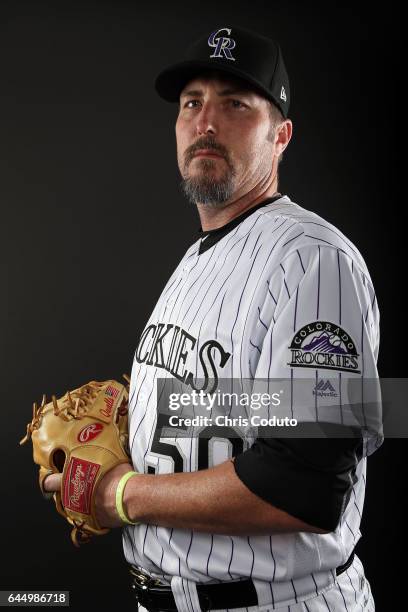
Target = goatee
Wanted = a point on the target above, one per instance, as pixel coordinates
(203, 188)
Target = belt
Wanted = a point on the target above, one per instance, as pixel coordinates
(238, 594)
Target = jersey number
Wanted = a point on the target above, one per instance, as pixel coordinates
(211, 446)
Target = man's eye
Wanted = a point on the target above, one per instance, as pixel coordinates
(189, 102)
(238, 104)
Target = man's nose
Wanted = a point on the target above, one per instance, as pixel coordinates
(207, 121)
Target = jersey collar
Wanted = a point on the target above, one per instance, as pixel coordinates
(211, 237)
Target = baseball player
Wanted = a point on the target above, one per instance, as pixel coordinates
(236, 520)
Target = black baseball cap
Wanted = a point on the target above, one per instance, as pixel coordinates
(234, 50)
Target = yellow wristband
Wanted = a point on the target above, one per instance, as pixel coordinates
(119, 497)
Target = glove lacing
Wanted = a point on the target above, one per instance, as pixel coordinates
(73, 405)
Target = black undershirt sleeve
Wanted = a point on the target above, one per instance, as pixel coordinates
(309, 478)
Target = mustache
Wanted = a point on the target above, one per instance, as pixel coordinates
(207, 143)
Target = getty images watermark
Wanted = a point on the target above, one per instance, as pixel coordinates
(228, 401)
(334, 406)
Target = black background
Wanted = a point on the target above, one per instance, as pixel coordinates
(93, 223)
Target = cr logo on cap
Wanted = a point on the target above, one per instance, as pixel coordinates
(222, 44)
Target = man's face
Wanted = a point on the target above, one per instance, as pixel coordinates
(224, 143)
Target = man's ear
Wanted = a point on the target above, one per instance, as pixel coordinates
(283, 134)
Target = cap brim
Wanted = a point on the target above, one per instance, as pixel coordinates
(171, 81)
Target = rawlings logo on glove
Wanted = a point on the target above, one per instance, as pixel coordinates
(83, 435)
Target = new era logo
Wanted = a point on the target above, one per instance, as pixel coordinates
(283, 94)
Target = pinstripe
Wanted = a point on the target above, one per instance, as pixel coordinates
(257, 240)
(355, 503)
(362, 371)
(344, 599)
(274, 565)
(209, 554)
(133, 394)
(351, 531)
(174, 290)
(338, 263)
(296, 303)
(294, 238)
(253, 558)
(219, 314)
(340, 399)
(161, 558)
(259, 318)
(366, 316)
(191, 464)
(314, 580)
(352, 585)
(291, 393)
(294, 590)
(144, 539)
(301, 262)
(255, 346)
(237, 312)
(231, 557)
(318, 288)
(284, 281)
(189, 546)
(151, 435)
(127, 538)
(270, 293)
(325, 601)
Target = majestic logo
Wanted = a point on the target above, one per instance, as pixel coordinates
(324, 345)
(90, 432)
(325, 389)
(223, 44)
(78, 484)
(110, 395)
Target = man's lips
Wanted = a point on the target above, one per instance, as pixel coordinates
(206, 153)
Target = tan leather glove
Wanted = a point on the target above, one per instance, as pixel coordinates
(82, 435)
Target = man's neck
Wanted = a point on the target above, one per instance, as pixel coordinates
(215, 217)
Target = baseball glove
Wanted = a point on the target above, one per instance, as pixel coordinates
(82, 435)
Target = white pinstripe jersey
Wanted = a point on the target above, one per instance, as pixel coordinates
(281, 269)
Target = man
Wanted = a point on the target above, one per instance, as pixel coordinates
(269, 291)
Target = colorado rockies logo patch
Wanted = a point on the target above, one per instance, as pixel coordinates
(325, 346)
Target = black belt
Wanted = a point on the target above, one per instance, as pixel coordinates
(238, 594)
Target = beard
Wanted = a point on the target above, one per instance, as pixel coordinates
(203, 188)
